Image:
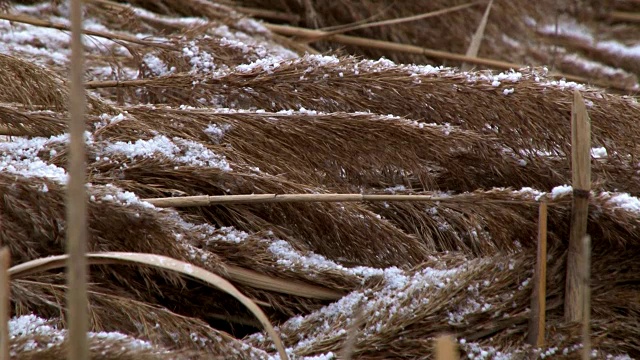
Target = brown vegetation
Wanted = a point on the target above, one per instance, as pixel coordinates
(222, 106)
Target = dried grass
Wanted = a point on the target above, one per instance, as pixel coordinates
(456, 134)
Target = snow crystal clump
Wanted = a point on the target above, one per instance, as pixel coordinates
(180, 150)
(126, 198)
(599, 152)
(561, 190)
(156, 66)
(216, 132)
(626, 202)
(20, 156)
(32, 325)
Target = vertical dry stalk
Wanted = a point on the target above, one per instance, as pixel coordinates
(446, 348)
(586, 303)
(538, 298)
(77, 317)
(352, 335)
(476, 40)
(5, 312)
(581, 178)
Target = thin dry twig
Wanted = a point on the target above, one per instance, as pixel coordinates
(586, 301)
(538, 297)
(624, 16)
(207, 200)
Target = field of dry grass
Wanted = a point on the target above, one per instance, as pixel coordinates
(213, 97)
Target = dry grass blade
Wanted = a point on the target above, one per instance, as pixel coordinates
(476, 40)
(586, 301)
(624, 16)
(206, 200)
(162, 262)
(260, 281)
(446, 348)
(539, 295)
(401, 20)
(5, 311)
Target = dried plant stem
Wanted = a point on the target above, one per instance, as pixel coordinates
(352, 335)
(76, 219)
(586, 303)
(538, 298)
(624, 16)
(386, 45)
(107, 35)
(206, 200)
(476, 40)
(5, 312)
(581, 179)
(446, 348)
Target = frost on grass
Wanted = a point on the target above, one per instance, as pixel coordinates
(180, 150)
(31, 327)
(624, 201)
(560, 191)
(121, 197)
(20, 156)
(216, 132)
(400, 295)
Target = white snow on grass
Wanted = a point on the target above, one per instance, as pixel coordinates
(125, 198)
(180, 150)
(599, 153)
(377, 306)
(156, 65)
(589, 65)
(560, 191)
(476, 351)
(625, 201)
(216, 132)
(32, 325)
(20, 156)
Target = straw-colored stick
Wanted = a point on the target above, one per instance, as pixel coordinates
(77, 302)
(446, 348)
(586, 303)
(538, 298)
(581, 179)
(412, 49)
(624, 16)
(5, 312)
(206, 200)
(476, 40)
